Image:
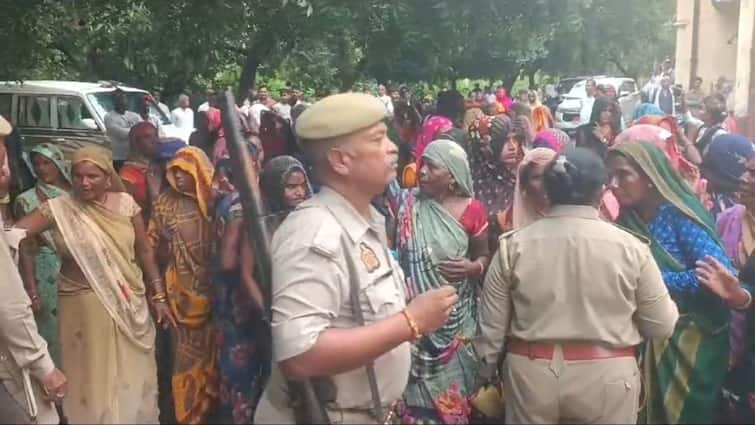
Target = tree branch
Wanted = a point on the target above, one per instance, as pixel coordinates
(235, 49)
(614, 60)
(62, 49)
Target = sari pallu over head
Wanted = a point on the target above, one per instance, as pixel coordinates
(273, 182)
(689, 367)
(674, 190)
(195, 162)
(648, 129)
(102, 244)
(523, 212)
(30, 200)
(428, 235)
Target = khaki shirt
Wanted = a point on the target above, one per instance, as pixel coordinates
(21, 346)
(573, 277)
(311, 294)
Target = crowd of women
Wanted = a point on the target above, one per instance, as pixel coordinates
(163, 238)
(686, 190)
(107, 251)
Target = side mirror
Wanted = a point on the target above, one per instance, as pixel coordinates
(625, 93)
(89, 123)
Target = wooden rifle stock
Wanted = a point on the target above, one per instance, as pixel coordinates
(308, 409)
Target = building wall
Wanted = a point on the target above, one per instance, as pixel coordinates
(684, 33)
(717, 43)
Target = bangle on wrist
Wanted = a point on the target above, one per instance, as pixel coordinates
(747, 303)
(160, 297)
(416, 334)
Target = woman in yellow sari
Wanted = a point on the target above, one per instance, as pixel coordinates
(106, 332)
(180, 219)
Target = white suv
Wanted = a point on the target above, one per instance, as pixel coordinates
(567, 114)
(71, 114)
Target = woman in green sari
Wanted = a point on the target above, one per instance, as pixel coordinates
(683, 374)
(442, 240)
(39, 262)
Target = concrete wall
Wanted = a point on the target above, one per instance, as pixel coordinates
(684, 32)
(717, 43)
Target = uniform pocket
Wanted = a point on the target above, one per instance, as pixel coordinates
(383, 298)
(621, 400)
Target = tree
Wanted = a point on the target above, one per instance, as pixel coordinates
(329, 43)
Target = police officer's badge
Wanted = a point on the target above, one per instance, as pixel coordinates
(369, 259)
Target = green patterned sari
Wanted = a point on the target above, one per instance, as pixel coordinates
(683, 374)
(46, 262)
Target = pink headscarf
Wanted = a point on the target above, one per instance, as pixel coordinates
(665, 141)
(552, 138)
(502, 97)
(524, 212)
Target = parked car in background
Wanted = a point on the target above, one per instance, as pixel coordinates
(568, 112)
(565, 84)
(71, 114)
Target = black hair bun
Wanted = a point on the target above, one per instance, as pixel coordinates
(574, 177)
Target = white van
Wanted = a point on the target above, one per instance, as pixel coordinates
(71, 114)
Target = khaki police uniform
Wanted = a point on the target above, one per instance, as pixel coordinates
(311, 289)
(21, 348)
(571, 279)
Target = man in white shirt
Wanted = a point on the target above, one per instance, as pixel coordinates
(264, 102)
(183, 116)
(591, 89)
(387, 101)
(283, 108)
(160, 105)
(118, 123)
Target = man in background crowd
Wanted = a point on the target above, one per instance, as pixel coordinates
(118, 123)
(157, 96)
(591, 89)
(183, 116)
(387, 100)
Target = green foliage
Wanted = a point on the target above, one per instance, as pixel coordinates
(330, 44)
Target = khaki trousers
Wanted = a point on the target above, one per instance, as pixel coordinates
(540, 391)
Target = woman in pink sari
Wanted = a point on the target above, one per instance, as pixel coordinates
(503, 98)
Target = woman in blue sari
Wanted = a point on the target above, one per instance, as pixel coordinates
(684, 374)
(40, 271)
(442, 239)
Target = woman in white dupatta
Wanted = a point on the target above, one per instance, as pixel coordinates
(106, 332)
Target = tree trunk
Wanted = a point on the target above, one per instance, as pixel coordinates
(531, 77)
(248, 75)
(509, 84)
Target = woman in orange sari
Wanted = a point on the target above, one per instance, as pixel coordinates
(180, 218)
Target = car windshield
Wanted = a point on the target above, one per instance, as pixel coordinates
(103, 103)
(578, 91)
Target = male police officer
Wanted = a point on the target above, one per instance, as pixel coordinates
(314, 327)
